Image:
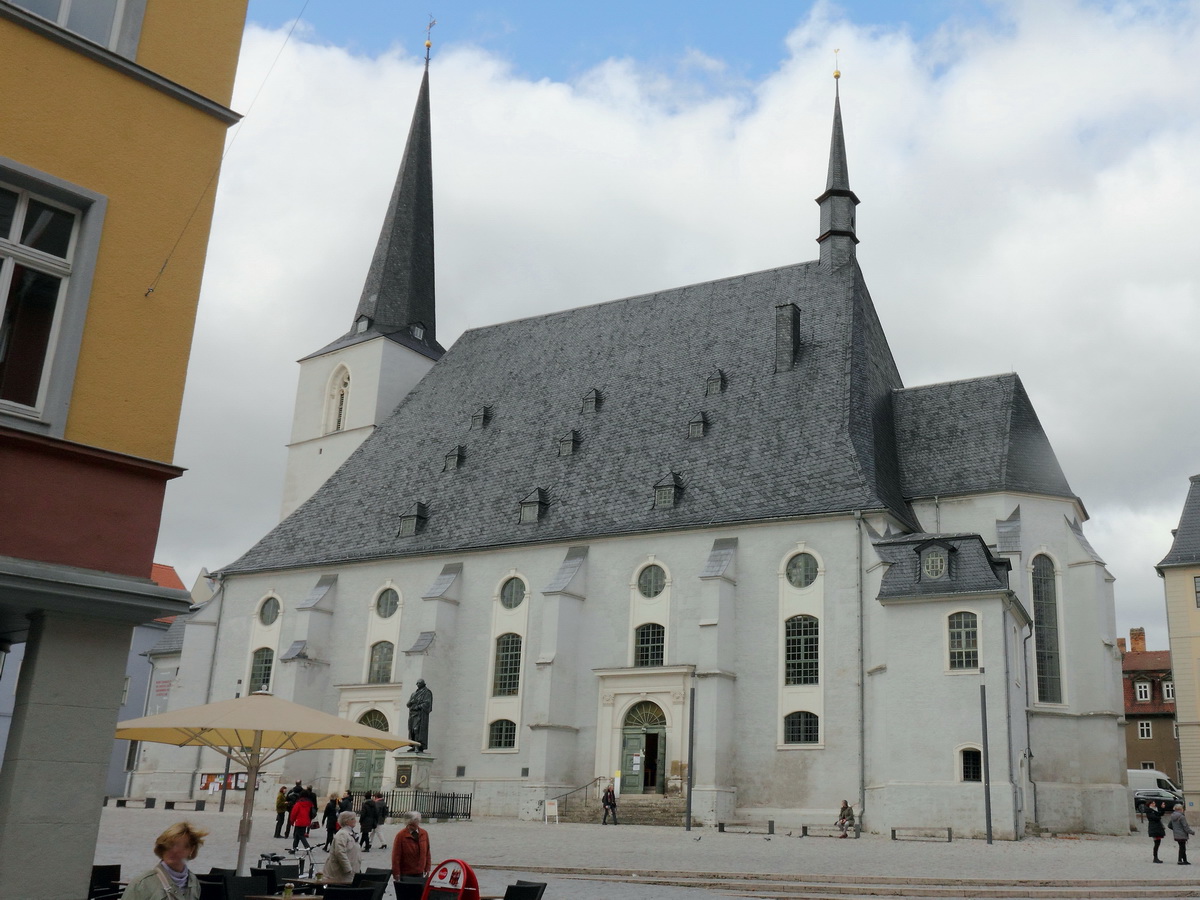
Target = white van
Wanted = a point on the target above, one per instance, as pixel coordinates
(1151, 784)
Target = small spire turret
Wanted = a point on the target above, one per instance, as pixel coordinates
(837, 238)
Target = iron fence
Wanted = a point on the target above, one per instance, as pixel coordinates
(430, 804)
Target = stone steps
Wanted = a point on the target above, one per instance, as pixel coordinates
(632, 810)
(863, 887)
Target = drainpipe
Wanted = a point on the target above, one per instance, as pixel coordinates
(1028, 748)
(862, 678)
(1012, 775)
(212, 669)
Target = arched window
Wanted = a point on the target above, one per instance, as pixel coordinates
(801, 648)
(506, 681)
(260, 669)
(649, 641)
(1045, 630)
(338, 400)
(971, 764)
(502, 734)
(373, 718)
(801, 728)
(964, 640)
(380, 670)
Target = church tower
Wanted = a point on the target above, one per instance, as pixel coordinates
(351, 385)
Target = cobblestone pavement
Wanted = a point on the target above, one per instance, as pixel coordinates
(505, 849)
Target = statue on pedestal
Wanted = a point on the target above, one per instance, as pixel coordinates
(419, 705)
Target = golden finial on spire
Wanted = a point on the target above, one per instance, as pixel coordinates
(836, 71)
(428, 42)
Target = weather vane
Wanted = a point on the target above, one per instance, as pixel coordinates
(428, 42)
(836, 71)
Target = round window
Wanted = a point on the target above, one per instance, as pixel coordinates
(512, 593)
(651, 581)
(387, 604)
(269, 611)
(934, 564)
(802, 570)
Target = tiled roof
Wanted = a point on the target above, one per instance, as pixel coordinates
(166, 576)
(972, 568)
(813, 440)
(1146, 661)
(1185, 550)
(973, 436)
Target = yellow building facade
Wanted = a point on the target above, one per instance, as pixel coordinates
(1180, 571)
(115, 116)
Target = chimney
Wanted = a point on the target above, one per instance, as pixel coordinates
(1137, 640)
(1121, 645)
(787, 336)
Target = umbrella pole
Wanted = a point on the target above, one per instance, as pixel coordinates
(248, 803)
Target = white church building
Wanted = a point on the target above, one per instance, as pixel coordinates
(705, 524)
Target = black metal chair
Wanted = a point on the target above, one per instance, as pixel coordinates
(271, 874)
(377, 880)
(540, 885)
(218, 871)
(524, 891)
(239, 887)
(104, 880)
(371, 870)
(212, 889)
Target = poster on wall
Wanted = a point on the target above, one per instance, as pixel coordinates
(211, 781)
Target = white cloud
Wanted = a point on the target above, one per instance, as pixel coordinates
(1029, 196)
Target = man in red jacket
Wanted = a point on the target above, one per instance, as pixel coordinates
(411, 861)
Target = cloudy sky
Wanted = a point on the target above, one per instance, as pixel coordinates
(1028, 175)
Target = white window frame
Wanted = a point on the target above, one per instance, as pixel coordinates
(1145, 730)
(1141, 691)
(1168, 689)
(946, 642)
(49, 415)
(124, 32)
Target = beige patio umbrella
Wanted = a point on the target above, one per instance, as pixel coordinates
(254, 730)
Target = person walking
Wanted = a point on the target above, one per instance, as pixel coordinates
(368, 818)
(347, 802)
(609, 801)
(329, 818)
(381, 814)
(345, 859)
(1181, 829)
(301, 818)
(281, 814)
(1154, 826)
(845, 818)
(411, 861)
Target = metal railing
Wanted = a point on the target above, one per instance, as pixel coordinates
(592, 786)
(430, 804)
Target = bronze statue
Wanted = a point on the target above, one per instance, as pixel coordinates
(419, 705)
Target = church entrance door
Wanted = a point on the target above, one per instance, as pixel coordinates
(366, 771)
(644, 750)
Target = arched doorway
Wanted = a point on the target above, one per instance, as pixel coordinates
(366, 771)
(644, 749)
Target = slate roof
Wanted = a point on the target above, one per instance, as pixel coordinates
(974, 436)
(972, 568)
(172, 639)
(1185, 550)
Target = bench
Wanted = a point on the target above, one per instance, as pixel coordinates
(828, 830)
(922, 833)
(136, 802)
(196, 805)
(749, 826)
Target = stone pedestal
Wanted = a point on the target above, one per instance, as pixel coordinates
(413, 770)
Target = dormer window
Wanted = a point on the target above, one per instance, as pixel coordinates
(481, 418)
(413, 521)
(454, 459)
(533, 506)
(934, 560)
(715, 383)
(568, 443)
(698, 426)
(1143, 691)
(417, 330)
(362, 324)
(592, 401)
(667, 492)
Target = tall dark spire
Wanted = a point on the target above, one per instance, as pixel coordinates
(837, 204)
(399, 290)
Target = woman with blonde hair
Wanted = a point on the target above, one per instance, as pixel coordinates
(171, 879)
